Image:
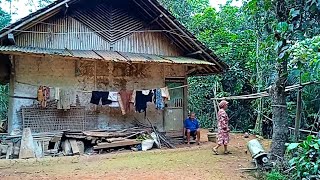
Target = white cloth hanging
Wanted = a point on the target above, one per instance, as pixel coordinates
(145, 92)
(113, 96)
(165, 93)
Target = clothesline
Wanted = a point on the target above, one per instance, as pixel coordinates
(265, 93)
(178, 87)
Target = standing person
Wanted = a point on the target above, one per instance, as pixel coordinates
(191, 128)
(223, 128)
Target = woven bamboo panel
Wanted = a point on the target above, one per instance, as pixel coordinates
(52, 119)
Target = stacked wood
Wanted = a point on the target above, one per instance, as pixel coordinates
(122, 143)
(98, 136)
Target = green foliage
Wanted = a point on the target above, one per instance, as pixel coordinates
(305, 158)
(275, 175)
(305, 56)
(200, 102)
(3, 101)
(183, 10)
(4, 18)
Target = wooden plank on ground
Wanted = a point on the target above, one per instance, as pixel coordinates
(74, 146)
(110, 140)
(106, 134)
(26, 149)
(116, 144)
(9, 150)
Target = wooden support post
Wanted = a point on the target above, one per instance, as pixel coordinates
(215, 106)
(298, 113)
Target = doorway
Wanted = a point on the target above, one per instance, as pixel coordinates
(174, 110)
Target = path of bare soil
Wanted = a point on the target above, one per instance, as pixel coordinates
(195, 162)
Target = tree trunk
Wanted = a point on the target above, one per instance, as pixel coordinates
(279, 117)
(278, 95)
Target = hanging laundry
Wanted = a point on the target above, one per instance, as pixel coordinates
(133, 98)
(113, 96)
(125, 98)
(73, 97)
(43, 95)
(165, 93)
(123, 111)
(56, 93)
(145, 92)
(97, 95)
(158, 99)
(64, 101)
(142, 100)
(40, 94)
(149, 97)
(114, 104)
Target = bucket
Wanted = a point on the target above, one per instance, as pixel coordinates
(212, 137)
(255, 148)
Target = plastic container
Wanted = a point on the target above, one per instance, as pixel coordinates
(212, 137)
(147, 144)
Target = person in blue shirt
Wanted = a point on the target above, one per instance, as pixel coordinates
(191, 128)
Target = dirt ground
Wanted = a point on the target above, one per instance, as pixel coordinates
(195, 162)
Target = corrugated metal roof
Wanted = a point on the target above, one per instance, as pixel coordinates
(104, 55)
(85, 54)
(59, 52)
(149, 10)
(111, 56)
(185, 60)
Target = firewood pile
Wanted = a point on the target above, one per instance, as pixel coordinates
(68, 143)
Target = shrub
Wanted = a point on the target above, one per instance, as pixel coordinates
(305, 158)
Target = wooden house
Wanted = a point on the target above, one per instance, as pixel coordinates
(99, 45)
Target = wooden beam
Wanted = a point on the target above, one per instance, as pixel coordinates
(170, 36)
(34, 17)
(184, 33)
(194, 53)
(116, 144)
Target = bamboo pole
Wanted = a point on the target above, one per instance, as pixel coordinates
(215, 104)
(265, 94)
(298, 112)
(258, 125)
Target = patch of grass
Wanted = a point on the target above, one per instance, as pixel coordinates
(275, 175)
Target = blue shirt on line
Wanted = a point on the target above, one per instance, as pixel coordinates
(192, 125)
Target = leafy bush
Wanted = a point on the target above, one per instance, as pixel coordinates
(275, 175)
(305, 158)
(3, 101)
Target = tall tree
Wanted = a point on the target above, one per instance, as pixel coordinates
(5, 18)
(278, 94)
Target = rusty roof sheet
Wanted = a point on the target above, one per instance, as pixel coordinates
(186, 60)
(84, 54)
(104, 55)
(12, 49)
(111, 56)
